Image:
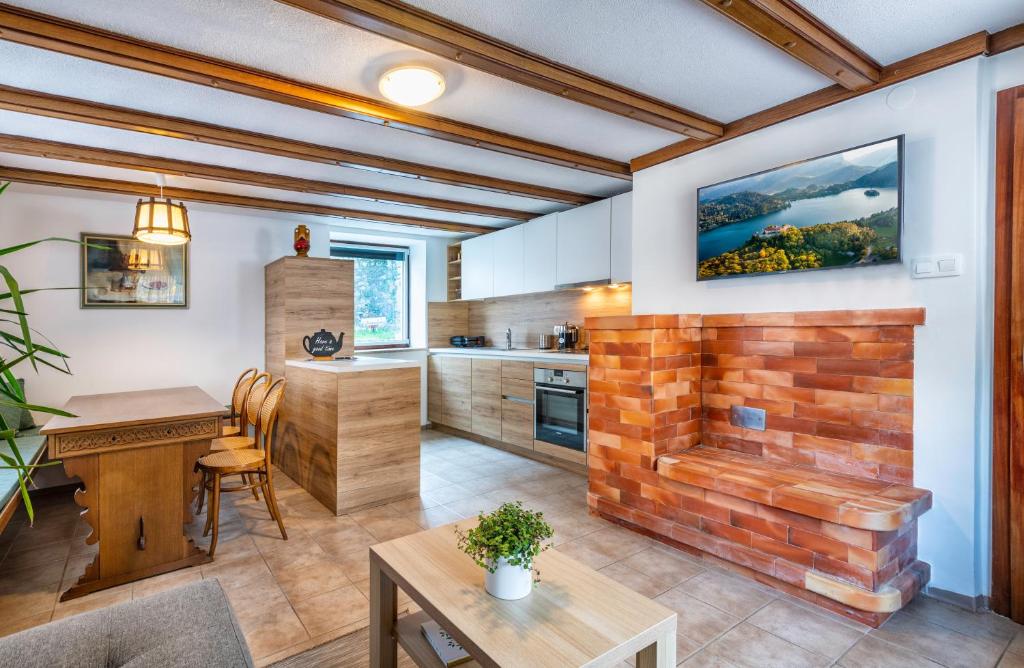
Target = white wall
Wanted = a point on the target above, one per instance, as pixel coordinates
(947, 183)
(207, 344)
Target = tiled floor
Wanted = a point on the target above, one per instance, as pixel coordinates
(296, 594)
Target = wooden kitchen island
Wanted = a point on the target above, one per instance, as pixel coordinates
(350, 431)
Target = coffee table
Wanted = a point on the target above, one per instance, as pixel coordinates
(574, 617)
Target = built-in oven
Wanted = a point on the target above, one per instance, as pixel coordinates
(561, 407)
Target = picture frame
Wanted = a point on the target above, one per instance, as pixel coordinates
(847, 214)
(123, 272)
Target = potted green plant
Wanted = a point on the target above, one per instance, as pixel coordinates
(19, 343)
(505, 543)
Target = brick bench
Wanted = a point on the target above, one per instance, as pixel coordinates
(816, 502)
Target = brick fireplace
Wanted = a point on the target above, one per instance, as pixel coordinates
(818, 503)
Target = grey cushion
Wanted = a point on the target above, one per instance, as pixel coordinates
(17, 418)
(12, 414)
(190, 626)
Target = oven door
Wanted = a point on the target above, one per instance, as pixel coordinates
(561, 416)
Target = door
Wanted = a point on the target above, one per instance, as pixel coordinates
(1008, 372)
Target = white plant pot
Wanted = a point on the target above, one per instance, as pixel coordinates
(508, 582)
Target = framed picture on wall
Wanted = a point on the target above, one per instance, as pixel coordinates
(121, 272)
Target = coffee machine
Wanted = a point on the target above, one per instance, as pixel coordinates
(568, 336)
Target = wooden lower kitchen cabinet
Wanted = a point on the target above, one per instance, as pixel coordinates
(457, 392)
(486, 402)
(517, 403)
(435, 386)
(491, 400)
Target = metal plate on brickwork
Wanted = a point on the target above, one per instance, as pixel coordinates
(747, 417)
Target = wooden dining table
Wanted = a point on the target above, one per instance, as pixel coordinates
(134, 453)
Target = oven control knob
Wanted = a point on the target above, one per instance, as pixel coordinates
(565, 380)
(551, 379)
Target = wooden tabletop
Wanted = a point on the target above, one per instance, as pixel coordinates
(574, 617)
(96, 411)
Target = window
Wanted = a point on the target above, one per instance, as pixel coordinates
(381, 293)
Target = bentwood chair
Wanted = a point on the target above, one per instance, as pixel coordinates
(248, 414)
(235, 422)
(252, 463)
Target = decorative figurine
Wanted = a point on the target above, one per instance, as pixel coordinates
(301, 244)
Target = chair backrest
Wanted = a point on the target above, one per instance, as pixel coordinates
(254, 401)
(268, 414)
(238, 394)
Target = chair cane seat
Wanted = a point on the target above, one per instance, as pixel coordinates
(231, 459)
(230, 430)
(231, 443)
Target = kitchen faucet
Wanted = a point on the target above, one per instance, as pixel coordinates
(508, 339)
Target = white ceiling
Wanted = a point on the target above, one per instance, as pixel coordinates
(680, 51)
(891, 30)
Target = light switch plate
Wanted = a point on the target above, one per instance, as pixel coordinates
(937, 266)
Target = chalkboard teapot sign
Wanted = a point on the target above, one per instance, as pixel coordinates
(322, 345)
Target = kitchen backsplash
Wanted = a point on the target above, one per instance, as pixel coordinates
(529, 316)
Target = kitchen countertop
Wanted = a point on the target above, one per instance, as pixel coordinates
(358, 363)
(533, 355)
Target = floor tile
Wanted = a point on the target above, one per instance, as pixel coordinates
(730, 593)
(334, 609)
(638, 582)
(664, 566)
(697, 620)
(160, 583)
(271, 629)
(93, 601)
(807, 629)
(873, 652)
(979, 625)
(433, 517)
(942, 645)
(747, 646)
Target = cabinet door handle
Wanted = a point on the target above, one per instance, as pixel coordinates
(141, 543)
(518, 400)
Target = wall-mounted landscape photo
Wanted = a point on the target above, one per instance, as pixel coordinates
(838, 210)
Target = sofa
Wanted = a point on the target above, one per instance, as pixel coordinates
(190, 626)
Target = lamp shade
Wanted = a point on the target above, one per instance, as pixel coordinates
(141, 258)
(161, 222)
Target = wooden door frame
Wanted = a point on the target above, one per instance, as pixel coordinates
(1007, 596)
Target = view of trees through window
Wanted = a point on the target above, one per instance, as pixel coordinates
(381, 288)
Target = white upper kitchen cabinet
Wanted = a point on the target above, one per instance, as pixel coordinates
(508, 261)
(584, 244)
(478, 267)
(622, 238)
(539, 238)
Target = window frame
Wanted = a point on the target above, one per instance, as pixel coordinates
(338, 248)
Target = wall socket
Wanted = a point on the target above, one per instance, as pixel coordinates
(747, 417)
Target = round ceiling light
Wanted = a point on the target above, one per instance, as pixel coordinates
(411, 85)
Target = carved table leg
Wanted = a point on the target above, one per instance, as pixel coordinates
(87, 497)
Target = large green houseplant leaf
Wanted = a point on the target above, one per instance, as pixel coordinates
(19, 344)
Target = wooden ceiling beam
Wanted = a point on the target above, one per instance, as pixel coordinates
(789, 27)
(410, 25)
(48, 32)
(1004, 40)
(922, 63)
(94, 113)
(43, 148)
(134, 189)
